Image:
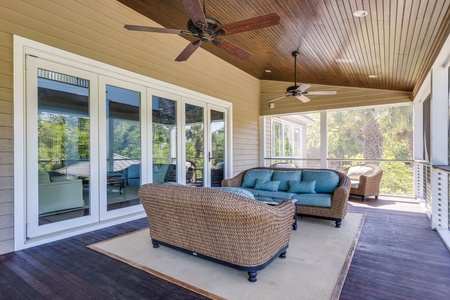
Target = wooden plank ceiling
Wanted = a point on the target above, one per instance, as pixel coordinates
(396, 41)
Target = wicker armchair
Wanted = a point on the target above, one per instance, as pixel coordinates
(220, 226)
(365, 180)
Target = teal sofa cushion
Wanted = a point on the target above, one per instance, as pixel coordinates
(251, 176)
(284, 177)
(266, 185)
(302, 187)
(235, 190)
(276, 195)
(321, 200)
(264, 198)
(326, 181)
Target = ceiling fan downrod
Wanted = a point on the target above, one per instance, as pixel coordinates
(295, 54)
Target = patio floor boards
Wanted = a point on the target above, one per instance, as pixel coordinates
(398, 257)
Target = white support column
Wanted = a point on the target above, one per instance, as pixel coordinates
(262, 140)
(439, 133)
(323, 139)
(418, 142)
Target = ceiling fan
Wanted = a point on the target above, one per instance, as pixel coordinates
(299, 92)
(207, 28)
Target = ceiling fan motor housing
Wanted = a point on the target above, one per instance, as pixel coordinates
(292, 89)
(205, 34)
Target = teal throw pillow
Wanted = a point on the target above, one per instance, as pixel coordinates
(251, 176)
(266, 185)
(326, 181)
(302, 187)
(284, 177)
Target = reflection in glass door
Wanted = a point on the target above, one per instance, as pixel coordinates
(194, 143)
(217, 149)
(123, 139)
(63, 147)
(164, 132)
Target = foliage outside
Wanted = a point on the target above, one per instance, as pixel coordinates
(383, 133)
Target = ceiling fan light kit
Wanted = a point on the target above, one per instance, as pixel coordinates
(299, 92)
(207, 28)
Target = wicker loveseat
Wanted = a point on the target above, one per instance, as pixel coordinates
(217, 225)
(320, 201)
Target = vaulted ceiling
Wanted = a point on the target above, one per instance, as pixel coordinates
(397, 41)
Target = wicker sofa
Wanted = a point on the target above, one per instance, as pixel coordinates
(326, 203)
(217, 225)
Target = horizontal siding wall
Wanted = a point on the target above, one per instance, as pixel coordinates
(6, 143)
(346, 97)
(94, 29)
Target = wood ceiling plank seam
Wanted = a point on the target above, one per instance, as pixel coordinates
(384, 44)
(397, 28)
(355, 28)
(378, 23)
(391, 10)
(402, 51)
(369, 36)
(349, 43)
(333, 38)
(408, 44)
(371, 29)
(309, 49)
(330, 37)
(418, 34)
(341, 67)
(432, 26)
(358, 48)
(345, 36)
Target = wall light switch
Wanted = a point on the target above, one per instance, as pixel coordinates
(271, 105)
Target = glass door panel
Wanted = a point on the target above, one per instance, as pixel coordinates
(194, 144)
(63, 147)
(59, 143)
(217, 149)
(123, 150)
(164, 132)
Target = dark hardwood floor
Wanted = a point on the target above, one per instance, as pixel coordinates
(398, 257)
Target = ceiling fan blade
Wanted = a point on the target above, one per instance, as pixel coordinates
(187, 52)
(303, 87)
(279, 98)
(195, 12)
(232, 48)
(321, 93)
(251, 24)
(303, 98)
(156, 29)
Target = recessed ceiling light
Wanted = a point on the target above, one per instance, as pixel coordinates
(373, 76)
(267, 71)
(360, 13)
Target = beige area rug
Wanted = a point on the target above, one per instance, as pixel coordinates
(315, 267)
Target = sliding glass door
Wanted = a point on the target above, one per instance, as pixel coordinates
(218, 140)
(93, 140)
(59, 147)
(164, 137)
(121, 125)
